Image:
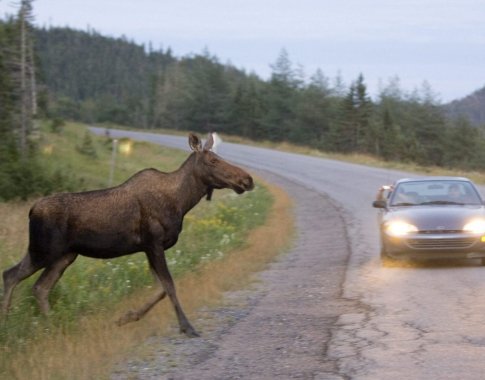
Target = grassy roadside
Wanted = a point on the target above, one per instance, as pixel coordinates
(79, 340)
(365, 159)
(90, 350)
(86, 347)
(356, 158)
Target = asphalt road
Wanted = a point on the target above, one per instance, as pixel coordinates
(421, 322)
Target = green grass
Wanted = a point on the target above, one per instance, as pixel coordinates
(365, 159)
(61, 151)
(89, 286)
(357, 158)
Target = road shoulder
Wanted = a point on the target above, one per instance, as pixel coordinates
(281, 325)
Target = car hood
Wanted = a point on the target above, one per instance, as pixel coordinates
(436, 217)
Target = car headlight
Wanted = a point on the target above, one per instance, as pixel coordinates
(476, 226)
(400, 228)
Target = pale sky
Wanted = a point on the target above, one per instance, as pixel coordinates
(438, 41)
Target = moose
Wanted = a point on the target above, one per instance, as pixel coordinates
(143, 214)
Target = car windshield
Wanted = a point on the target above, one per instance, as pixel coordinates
(437, 192)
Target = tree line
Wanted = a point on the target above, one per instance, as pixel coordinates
(21, 171)
(98, 79)
(82, 75)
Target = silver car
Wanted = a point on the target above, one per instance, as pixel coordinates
(431, 218)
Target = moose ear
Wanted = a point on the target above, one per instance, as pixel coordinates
(210, 142)
(194, 143)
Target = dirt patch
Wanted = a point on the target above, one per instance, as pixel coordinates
(280, 326)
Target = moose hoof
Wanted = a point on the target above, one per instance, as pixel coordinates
(131, 316)
(190, 332)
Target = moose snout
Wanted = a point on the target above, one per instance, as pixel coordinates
(247, 183)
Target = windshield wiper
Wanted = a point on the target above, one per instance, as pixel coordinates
(404, 204)
(441, 203)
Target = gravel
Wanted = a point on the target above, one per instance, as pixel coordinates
(279, 327)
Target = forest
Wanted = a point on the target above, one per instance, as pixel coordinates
(65, 74)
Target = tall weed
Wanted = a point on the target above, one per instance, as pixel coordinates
(91, 287)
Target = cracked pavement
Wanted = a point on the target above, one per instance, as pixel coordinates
(409, 322)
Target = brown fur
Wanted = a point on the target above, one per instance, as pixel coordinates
(143, 214)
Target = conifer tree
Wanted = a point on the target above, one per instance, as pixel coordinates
(7, 143)
(25, 79)
(280, 97)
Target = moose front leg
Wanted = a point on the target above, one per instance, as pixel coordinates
(158, 264)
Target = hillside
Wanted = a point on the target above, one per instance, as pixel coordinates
(98, 79)
(87, 77)
(471, 107)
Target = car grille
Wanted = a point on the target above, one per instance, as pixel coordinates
(442, 243)
(426, 232)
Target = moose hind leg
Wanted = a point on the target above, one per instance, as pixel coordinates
(136, 315)
(158, 264)
(49, 278)
(15, 274)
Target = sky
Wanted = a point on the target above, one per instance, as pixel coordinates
(441, 42)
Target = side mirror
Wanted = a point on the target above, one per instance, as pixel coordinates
(379, 204)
